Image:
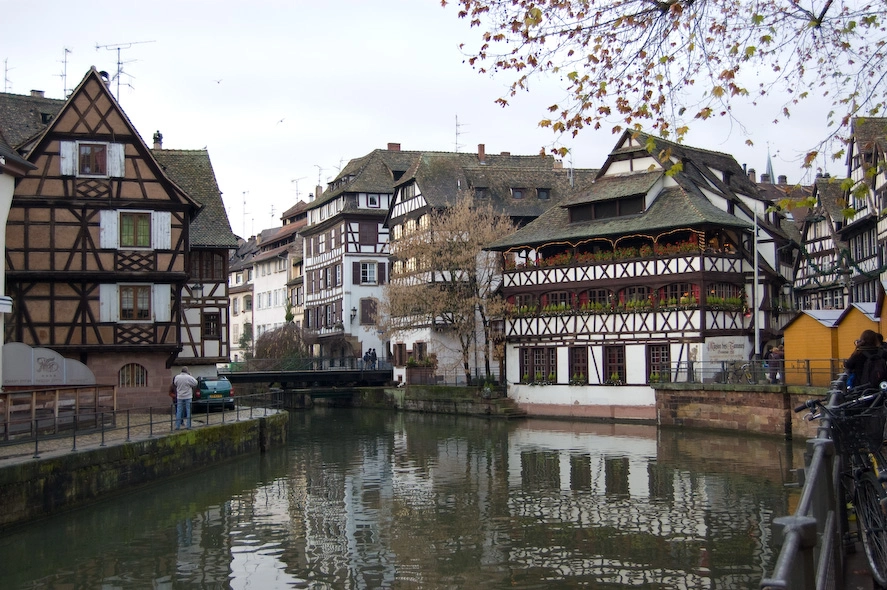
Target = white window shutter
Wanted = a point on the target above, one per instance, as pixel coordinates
(161, 229)
(67, 160)
(116, 160)
(109, 236)
(161, 303)
(109, 303)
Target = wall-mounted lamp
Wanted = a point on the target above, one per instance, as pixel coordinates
(353, 313)
(196, 290)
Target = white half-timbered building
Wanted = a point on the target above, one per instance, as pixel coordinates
(519, 186)
(644, 276)
(345, 257)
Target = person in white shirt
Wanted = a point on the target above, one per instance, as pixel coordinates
(185, 385)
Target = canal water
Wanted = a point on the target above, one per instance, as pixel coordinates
(371, 499)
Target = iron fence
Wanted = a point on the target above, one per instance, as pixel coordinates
(813, 551)
(98, 427)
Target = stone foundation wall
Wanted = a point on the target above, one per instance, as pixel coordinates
(39, 487)
(746, 408)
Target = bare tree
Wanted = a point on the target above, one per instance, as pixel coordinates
(442, 277)
(285, 343)
(662, 64)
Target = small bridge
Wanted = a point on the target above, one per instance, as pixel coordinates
(309, 373)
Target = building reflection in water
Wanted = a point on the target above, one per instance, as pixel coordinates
(377, 500)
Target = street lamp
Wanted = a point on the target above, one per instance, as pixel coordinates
(353, 314)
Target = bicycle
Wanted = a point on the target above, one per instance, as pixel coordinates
(857, 428)
(740, 373)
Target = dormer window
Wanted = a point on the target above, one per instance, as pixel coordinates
(517, 193)
(481, 192)
(543, 194)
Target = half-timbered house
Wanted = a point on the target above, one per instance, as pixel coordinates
(346, 255)
(647, 275)
(521, 187)
(865, 228)
(110, 258)
(823, 266)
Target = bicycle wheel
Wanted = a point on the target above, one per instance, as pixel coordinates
(872, 523)
(747, 376)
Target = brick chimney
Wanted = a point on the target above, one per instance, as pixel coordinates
(481, 153)
(158, 141)
(38, 94)
(783, 179)
(393, 147)
(765, 178)
(751, 175)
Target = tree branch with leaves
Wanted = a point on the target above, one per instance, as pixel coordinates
(665, 64)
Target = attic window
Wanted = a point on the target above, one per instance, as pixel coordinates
(607, 209)
(518, 193)
(543, 194)
(92, 159)
(481, 192)
(373, 201)
(45, 118)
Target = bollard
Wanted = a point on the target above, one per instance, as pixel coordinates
(36, 440)
(74, 436)
(102, 418)
(151, 422)
(127, 426)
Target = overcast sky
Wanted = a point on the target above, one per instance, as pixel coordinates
(284, 93)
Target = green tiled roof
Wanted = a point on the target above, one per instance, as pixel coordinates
(193, 172)
(673, 208)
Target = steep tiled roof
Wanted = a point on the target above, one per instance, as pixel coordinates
(870, 132)
(11, 156)
(193, 172)
(699, 162)
(441, 176)
(673, 208)
(23, 117)
(372, 173)
(615, 186)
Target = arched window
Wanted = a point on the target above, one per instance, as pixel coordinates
(132, 375)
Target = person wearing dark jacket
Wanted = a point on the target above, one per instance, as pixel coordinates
(866, 346)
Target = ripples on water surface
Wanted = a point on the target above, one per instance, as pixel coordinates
(367, 499)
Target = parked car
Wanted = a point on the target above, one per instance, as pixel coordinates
(215, 392)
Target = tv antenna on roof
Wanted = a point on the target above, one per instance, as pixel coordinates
(64, 74)
(458, 133)
(296, 181)
(6, 80)
(118, 47)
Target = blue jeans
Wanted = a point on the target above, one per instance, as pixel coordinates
(183, 410)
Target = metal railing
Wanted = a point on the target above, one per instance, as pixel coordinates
(91, 428)
(808, 372)
(813, 553)
(307, 364)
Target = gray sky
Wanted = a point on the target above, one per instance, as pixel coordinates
(284, 93)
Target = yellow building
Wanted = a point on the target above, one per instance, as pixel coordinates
(818, 341)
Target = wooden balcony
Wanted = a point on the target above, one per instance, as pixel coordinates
(634, 268)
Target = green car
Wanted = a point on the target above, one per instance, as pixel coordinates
(216, 392)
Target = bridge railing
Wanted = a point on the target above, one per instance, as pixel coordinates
(307, 364)
(812, 554)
